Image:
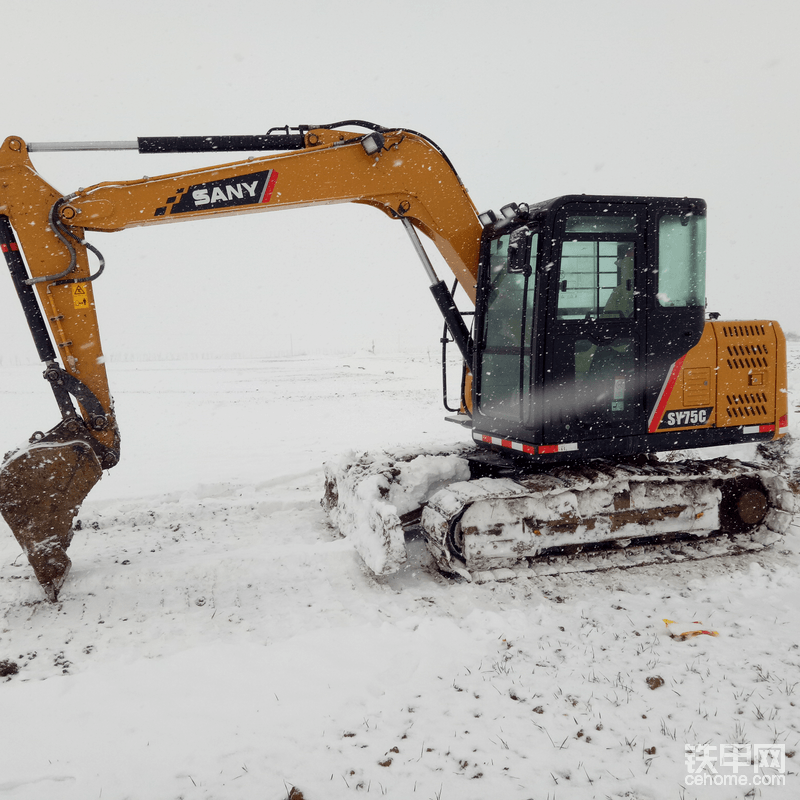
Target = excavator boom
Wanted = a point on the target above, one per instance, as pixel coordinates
(399, 172)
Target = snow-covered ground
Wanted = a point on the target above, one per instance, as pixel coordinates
(216, 639)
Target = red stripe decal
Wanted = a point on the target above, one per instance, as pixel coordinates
(548, 448)
(270, 186)
(529, 448)
(663, 398)
(14, 246)
(485, 438)
(4, 248)
(766, 428)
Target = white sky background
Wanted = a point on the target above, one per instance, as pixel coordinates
(530, 100)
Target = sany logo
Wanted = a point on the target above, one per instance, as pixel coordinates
(251, 189)
(239, 191)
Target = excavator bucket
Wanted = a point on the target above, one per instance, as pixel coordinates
(42, 487)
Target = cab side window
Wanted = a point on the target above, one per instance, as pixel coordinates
(596, 280)
(681, 261)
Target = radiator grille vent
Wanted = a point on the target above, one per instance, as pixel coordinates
(747, 406)
(748, 356)
(747, 353)
(750, 329)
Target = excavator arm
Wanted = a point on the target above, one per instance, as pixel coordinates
(42, 234)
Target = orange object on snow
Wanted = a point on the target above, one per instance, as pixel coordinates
(692, 629)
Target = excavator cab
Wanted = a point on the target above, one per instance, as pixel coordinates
(584, 305)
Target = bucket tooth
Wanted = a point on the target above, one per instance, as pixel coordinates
(50, 563)
(42, 487)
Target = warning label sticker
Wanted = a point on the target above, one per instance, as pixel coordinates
(80, 297)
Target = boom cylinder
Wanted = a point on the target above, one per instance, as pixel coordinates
(180, 144)
(441, 294)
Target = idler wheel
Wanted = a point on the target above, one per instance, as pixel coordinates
(744, 505)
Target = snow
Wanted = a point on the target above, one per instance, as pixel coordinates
(216, 638)
(367, 494)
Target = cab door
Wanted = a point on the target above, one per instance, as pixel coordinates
(593, 384)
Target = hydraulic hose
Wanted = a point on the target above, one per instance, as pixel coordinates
(61, 232)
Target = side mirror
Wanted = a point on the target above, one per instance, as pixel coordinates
(519, 251)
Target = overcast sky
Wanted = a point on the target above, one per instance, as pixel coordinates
(530, 100)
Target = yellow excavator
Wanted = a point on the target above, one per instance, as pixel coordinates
(588, 349)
